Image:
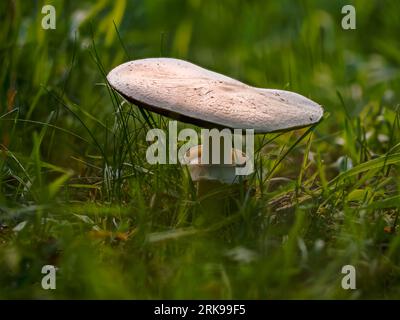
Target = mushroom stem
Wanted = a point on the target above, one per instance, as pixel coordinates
(218, 186)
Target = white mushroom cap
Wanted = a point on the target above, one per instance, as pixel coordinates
(189, 93)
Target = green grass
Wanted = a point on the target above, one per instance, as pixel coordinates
(76, 190)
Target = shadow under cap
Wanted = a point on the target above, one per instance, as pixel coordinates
(186, 92)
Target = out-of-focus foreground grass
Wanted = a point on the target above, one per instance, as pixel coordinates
(76, 191)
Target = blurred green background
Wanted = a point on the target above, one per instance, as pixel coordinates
(76, 192)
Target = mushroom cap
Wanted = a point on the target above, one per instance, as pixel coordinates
(186, 92)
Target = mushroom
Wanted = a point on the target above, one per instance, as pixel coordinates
(186, 92)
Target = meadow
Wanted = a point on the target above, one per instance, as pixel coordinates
(77, 192)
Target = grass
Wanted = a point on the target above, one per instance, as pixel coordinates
(76, 190)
